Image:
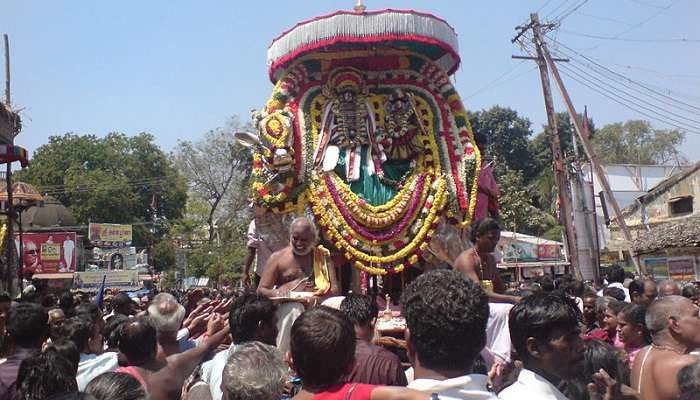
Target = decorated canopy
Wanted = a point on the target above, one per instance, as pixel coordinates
(365, 132)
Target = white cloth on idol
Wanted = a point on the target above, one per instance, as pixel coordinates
(531, 386)
(92, 365)
(497, 331)
(286, 314)
(212, 372)
(472, 387)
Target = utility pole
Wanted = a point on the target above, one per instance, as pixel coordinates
(588, 147)
(564, 195)
(8, 185)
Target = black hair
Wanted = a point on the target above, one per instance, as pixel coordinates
(42, 375)
(615, 305)
(689, 381)
(597, 355)
(446, 314)
(481, 226)
(120, 301)
(546, 283)
(616, 273)
(540, 316)
(689, 291)
(246, 312)
(89, 310)
(636, 287)
(48, 300)
(67, 349)
(359, 309)
(318, 335)
(113, 329)
(66, 302)
(575, 288)
(27, 324)
(116, 386)
(615, 292)
(79, 330)
(636, 314)
(138, 340)
(5, 297)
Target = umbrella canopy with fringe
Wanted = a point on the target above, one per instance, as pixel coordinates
(23, 194)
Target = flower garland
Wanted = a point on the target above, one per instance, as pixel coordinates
(349, 197)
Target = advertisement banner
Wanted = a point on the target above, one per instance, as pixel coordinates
(548, 252)
(681, 268)
(519, 251)
(49, 252)
(658, 266)
(110, 234)
(114, 279)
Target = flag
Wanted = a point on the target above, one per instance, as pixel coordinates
(101, 293)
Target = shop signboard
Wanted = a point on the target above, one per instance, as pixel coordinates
(50, 252)
(681, 268)
(113, 279)
(110, 235)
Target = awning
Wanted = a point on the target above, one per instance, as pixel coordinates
(10, 153)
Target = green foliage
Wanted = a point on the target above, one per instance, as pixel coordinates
(163, 255)
(637, 142)
(518, 213)
(214, 261)
(503, 135)
(112, 179)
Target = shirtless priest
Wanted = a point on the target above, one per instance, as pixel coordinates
(298, 275)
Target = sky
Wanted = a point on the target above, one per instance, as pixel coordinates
(177, 69)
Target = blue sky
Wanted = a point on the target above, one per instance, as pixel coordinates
(177, 69)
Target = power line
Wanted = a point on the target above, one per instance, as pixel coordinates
(495, 82)
(572, 10)
(556, 8)
(600, 37)
(601, 18)
(621, 76)
(626, 102)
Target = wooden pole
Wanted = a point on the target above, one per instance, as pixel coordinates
(588, 147)
(8, 183)
(566, 211)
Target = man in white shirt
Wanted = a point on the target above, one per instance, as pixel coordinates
(88, 338)
(545, 333)
(251, 318)
(616, 277)
(446, 316)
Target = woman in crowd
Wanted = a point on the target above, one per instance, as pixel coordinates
(632, 330)
(608, 330)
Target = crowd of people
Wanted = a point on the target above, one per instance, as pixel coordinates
(632, 339)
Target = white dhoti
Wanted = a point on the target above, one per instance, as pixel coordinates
(497, 332)
(286, 314)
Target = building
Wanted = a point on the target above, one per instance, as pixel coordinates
(665, 226)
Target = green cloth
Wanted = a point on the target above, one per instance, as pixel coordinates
(369, 187)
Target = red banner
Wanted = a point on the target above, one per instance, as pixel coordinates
(49, 252)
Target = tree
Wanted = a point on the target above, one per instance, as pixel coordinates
(540, 146)
(518, 213)
(217, 170)
(503, 135)
(117, 179)
(637, 142)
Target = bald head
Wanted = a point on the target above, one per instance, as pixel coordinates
(303, 236)
(669, 288)
(675, 318)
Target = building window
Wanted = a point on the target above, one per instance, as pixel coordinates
(680, 205)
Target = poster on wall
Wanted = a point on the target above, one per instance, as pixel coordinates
(658, 266)
(110, 235)
(681, 268)
(49, 252)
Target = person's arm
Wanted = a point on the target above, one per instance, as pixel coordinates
(269, 278)
(167, 382)
(465, 265)
(333, 277)
(247, 262)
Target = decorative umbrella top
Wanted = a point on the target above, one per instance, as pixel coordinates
(344, 31)
(23, 194)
